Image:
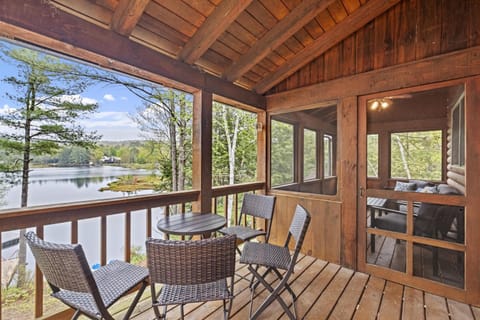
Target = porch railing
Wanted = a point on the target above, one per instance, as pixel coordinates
(131, 207)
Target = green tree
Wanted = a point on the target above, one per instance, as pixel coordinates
(166, 119)
(281, 153)
(233, 148)
(417, 155)
(47, 106)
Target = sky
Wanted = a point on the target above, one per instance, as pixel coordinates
(111, 120)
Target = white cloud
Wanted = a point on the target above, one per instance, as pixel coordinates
(112, 125)
(109, 97)
(76, 98)
(124, 98)
(7, 109)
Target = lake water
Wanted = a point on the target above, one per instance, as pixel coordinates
(63, 185)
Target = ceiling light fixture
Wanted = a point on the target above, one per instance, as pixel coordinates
(379, 104)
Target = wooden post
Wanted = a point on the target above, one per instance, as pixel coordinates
(348, 147)
(262, 146)
(472, 185)
(202, 150)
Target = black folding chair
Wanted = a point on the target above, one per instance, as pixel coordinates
(256, 206)
(66, 270)
(276, 258)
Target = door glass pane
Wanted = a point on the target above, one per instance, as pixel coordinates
(439, 264)
(372, 155)
(416, 155)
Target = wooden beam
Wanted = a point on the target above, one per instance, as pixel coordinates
(202, 150)
(127, 14)
(31, 17)
(348, 26)
(221, 18)
(426, 71)
(472, 219)
(348, 150)
(287, 27)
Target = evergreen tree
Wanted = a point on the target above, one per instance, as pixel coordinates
(47, 106)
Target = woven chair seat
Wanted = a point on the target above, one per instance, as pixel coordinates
(266, 254)
(66, 270)
(111, 288)
(181, 294)
(243, 233)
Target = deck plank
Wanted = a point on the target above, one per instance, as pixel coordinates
(391, 306)
(329, 297)
(459, 311)
(371, 298)
(413, 305)
(327, 291)
(435, 307)
(308, 296)
(348, 302)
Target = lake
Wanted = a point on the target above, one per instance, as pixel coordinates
(63, 185)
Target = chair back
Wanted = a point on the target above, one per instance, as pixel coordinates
(175, 262)
(298, 229)
(259, 206)
(63, 265)
(435, 220)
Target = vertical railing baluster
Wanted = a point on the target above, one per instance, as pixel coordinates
(103, 240)
(235, 204)
(39, 282)
(128, 237)
(166, 213)
(149, 223)
(225, 208)
(183, 207)
(74, 231)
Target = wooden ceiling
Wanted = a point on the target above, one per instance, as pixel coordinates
(252, 43)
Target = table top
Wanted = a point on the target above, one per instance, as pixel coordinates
(189, 224)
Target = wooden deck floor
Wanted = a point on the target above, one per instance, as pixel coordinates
(328, 291)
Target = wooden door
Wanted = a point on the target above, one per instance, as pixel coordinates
(394, 240)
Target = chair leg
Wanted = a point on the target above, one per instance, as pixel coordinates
(274, 295)
(182, 314)
(135, 301)
(76, 315)
(372, 243)
(158, 314)
(435, 261)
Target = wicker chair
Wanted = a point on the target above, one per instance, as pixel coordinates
(273, 258)
(257, 206)
(191, 271)
(90, 293)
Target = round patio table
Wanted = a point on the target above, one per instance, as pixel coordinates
(190, 224)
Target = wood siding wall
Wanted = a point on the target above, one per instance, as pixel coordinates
(417, 43)
(410, 31)
(323, 236)
(455, 173)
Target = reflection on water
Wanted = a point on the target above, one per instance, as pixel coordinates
(63, 185)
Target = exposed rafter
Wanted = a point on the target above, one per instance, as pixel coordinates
(127, 14)
(351, 24)
(221, 18)
(43, 19)
(286, 28)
